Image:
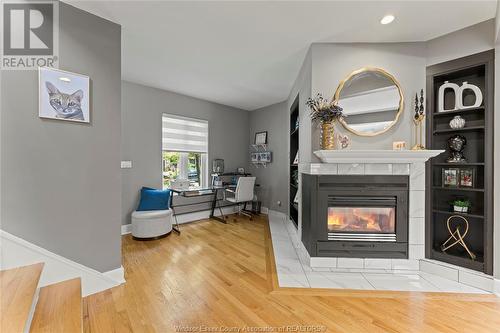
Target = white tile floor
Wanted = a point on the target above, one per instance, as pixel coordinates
(294, 271)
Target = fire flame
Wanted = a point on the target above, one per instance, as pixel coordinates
(361, 219)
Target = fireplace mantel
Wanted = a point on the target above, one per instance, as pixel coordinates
(376, 156)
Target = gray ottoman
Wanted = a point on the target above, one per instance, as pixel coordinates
(151, 224)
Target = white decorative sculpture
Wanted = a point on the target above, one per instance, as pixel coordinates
(448, 85)
(477, 92)
(457, 122)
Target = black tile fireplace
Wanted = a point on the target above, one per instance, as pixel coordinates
(355, 216)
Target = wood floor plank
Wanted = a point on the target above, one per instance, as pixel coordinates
(17, 289)
(217, 275)
(59, 308)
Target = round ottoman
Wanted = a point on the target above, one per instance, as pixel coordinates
(151, 224)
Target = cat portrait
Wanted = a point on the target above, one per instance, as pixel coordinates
(63, 95)
(67, 106)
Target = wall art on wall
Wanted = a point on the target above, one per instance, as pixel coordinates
(261, 138)
(63, 95)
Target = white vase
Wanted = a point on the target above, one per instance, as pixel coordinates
(477, 92)
(442, 88)
(457, 122)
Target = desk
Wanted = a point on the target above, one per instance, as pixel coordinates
(198, 192)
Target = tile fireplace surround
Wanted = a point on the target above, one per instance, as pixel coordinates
(415, 273)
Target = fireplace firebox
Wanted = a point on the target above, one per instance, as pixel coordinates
(355, 216)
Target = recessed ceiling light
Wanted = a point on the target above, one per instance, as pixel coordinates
(387, 19)
(65, 79)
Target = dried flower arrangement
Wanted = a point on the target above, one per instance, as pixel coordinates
(323, 110)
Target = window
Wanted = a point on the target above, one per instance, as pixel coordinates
(184, 150)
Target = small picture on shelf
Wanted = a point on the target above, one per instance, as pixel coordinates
(261, 138)
(450, 177)
(467, 177)
(254, 157)
(296, 159)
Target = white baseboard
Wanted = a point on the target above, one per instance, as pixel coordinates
(189, 217)
(17, 252)
(497, 287)
(126, 229)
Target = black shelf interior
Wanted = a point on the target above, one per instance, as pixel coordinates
(294, 148)
(478, 153)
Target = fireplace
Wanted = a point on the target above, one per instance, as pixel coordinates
(355, 216)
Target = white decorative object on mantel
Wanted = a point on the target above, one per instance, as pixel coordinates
(376, 156)
(460, 95)
(442, 88)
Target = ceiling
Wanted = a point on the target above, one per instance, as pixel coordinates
(247, 54)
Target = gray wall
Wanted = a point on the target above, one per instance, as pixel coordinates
(474, 39)
(273, 179)
(406, 61)
(142, 108)
(61, 180)
(496, 194)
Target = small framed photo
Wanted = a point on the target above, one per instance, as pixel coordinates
(265, 157)
(467, 177)
(254, 157)
(261, 138)
(63, 95)
(450, 177)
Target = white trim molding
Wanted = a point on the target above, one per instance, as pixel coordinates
(189, 217)
(497, 287)
(17, 252)
(376, 156)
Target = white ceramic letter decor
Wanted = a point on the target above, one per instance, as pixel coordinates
(477, 92)
(444, 86)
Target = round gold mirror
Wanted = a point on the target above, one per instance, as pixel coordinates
(372, 101)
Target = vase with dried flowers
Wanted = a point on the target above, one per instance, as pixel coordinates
(327, 114)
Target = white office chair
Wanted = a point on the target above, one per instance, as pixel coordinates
(242, 194)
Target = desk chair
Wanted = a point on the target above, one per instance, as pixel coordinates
(242, 194)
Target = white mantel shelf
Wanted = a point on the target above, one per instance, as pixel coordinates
(376, 156)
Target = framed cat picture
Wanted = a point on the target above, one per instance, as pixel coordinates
(63, 95)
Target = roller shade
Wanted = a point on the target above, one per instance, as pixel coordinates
(184, 134)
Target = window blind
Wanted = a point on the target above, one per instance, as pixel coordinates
(184, 134)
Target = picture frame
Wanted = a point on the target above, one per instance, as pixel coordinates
(63, 95)
(260, 138)
(265, 157)
(467, 177)
(450, 177)
(254, 157)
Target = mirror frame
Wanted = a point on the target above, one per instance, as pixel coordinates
(336, 98)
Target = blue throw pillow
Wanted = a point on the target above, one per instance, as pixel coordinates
(152, 199)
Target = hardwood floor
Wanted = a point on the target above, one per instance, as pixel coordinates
(215, 275)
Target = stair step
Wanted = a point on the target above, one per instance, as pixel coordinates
(59, 308)
(17, 289)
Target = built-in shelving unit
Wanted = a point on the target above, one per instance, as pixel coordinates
(478, 131)
(294, 168)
